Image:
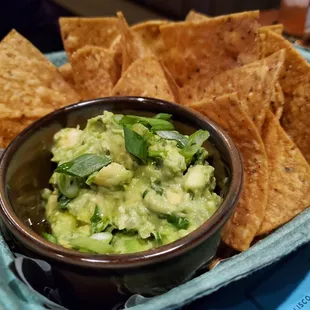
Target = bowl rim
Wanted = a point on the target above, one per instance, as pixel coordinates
(39, 245)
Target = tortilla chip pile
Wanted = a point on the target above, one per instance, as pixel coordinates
(246, 78)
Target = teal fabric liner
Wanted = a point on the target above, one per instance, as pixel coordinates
(16, 295)
(58, 58)
(305, 52)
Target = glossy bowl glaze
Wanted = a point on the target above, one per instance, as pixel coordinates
(88, 280)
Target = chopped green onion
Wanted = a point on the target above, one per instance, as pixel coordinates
(164, 116)
(135, 144)
(83, 165)
(98, 223)
(49, 237)
(153, 123)
(91, 244)
(200, 157)
(173, 135)
(178, 222)
(195, 142)
(158, 237)
(63, 202)
(154, 153)
(96, 216)
(68, 186)
(144, 193)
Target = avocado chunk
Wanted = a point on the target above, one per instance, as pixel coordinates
(158, 203)
(198, 177)
(112, 176)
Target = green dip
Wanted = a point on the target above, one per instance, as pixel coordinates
(127, 184)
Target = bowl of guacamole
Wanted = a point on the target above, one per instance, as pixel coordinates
(120, 195)
(127, 183)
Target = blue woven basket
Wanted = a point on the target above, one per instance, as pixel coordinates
(14, 294)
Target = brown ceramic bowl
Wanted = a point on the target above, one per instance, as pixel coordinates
(87, 279)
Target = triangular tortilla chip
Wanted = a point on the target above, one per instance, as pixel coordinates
(295, 84)
(295, 66)
(31, 86)
(145, 77)
(77, 32)
(278, 28)
(11, 127)
(210, 47)
(150, 35)
(289, 177)
(13, 40)
(94, 71)
(247, 218)
(277, 101)
(296, 117)
(172, 84)
(253, 83)
(66, 71)
(133, 47)
(262, 38)
(116, 48)
(194, 16)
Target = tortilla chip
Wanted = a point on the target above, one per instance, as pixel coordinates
(194, 16)
(210, 47)
(133, 47)
(277, 101)
(13, 40)
(295, 84)
(150, 35)
(67, 73)
(296, 117)
(77, 32)
(289, 177)
(11, 127)
(295, 66)
(278, 28)
(145, 77)
(94, 71)
(243, 225)
(172, 84)
(253, 83)
(116, 49)
(31, 86)
(262, 38)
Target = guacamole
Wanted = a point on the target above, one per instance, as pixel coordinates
(127, 184)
